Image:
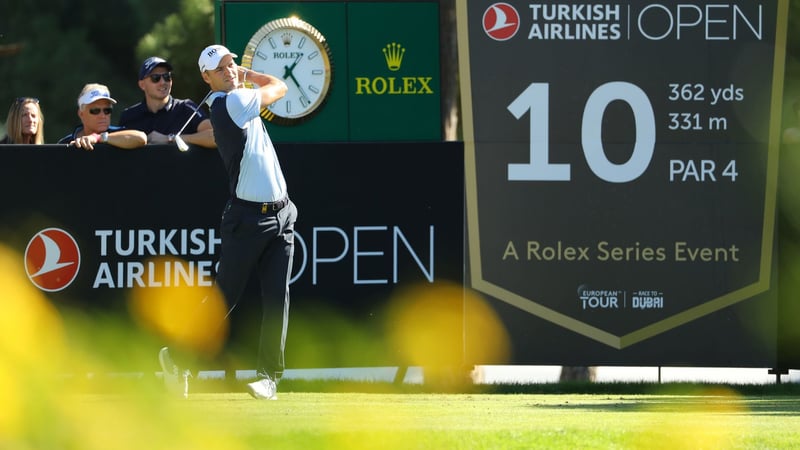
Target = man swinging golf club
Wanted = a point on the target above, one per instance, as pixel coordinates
(257, 226)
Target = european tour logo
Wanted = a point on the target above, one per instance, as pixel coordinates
(501, 21)
(52, 259)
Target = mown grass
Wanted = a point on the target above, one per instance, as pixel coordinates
(577, 387)
(329, 414)
(718, 418)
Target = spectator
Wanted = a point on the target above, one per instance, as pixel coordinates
(94, 109)
(25, 123)
(160, 115)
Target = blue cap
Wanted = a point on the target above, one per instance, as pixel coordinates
(150, 64)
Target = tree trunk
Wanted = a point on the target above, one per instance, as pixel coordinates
(449, 70)
(578, 373)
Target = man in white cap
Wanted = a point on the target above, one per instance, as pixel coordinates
(94, 109)
(257, 226)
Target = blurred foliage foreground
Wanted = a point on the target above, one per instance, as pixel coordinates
(48, 355)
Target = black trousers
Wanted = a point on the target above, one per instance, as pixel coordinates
(253, 240)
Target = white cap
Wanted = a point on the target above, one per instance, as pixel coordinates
(211, 56)
(95, 95)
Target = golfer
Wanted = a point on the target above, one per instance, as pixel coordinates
(258, 221)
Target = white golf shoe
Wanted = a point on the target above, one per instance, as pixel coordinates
(175, 380)
(263, 389)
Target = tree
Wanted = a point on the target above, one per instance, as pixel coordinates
(179, 38)
(68, 43)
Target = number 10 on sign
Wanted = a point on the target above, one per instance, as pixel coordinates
(536, 99)
(539, 168)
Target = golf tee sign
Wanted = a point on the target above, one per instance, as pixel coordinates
(621, 158)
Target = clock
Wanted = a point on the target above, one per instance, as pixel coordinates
(295, 51)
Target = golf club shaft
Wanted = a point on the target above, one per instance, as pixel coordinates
(194, 113)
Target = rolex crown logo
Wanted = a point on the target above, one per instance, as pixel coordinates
(287, 39)
(394, 56)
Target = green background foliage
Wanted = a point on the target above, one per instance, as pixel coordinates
(50, 48)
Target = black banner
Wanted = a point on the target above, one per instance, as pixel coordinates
(372, 218)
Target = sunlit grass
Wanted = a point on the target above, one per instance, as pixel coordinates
(717, 420)
(59, 391)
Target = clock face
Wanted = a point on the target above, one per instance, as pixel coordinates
(296, 52)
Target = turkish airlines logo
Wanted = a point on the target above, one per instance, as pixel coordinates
(501, 21)
(52, 259)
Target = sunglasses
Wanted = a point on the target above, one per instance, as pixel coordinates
(27, 99)
(156, 77)
(96, 111)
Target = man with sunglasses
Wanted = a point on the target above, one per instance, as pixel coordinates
(94, 109)
(160, 115)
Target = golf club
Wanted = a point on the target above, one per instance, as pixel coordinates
(182, 145)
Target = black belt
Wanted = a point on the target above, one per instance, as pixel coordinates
(263, 207)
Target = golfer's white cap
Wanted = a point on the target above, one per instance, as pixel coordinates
(211, 56)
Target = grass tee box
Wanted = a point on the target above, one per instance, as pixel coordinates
(708, 417)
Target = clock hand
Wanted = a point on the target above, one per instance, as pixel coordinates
(289, 73)
(288, 70)
(303, 94)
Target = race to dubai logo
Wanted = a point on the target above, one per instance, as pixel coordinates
(52, 259)
(501, 21)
